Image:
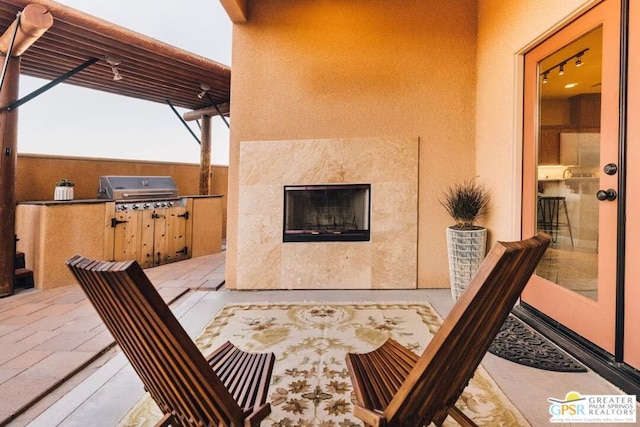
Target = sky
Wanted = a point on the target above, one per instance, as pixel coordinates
(73, 121)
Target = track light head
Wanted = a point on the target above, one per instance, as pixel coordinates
(116, 74)
(113, 63)
(204, 88)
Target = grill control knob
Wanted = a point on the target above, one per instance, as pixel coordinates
(156, 205)
(170, 204)
(135, 207)
(145, 206)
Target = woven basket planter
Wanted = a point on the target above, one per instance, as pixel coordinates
(63, 193)
(466, 249)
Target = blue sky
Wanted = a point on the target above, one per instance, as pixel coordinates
(72, 121)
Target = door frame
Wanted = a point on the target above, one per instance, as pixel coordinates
(610, 366)
(593, 319)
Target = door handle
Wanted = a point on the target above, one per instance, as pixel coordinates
(609, 195)
(115, 222)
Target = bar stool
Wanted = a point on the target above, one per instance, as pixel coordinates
(549, 215)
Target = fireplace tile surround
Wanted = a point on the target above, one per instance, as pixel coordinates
(387, 261)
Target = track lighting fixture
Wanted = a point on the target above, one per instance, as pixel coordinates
(113, 63)
(561, 65)
(204, 88)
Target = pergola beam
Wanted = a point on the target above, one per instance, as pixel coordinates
(35, 20)
(190, 116)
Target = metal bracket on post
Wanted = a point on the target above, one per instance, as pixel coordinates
(183, 122)
(8, 54)
(218, 110)
(49, 85)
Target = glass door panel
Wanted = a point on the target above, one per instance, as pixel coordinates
(569, 105)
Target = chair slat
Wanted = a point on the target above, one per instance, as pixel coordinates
(174, 372)
(394, 388)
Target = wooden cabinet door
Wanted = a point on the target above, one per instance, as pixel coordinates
(177, 233)
(160, 253)
(147, 251)
(127, 236)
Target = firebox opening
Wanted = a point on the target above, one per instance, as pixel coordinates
(320, 213)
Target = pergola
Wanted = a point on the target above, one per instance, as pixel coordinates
(83, 50)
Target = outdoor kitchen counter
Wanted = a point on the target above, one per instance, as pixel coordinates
(62, 202)
(90, 201)
(51, 231)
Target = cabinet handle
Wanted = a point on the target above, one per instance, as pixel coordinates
(115, 222)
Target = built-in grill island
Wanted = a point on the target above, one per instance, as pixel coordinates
(142, 218)
(150, 220)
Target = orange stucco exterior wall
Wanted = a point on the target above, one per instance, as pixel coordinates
(506, 30)
(346, 69)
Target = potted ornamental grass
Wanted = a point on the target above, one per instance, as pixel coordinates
(63, 190)
(466, 203)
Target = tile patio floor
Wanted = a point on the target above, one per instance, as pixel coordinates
(48, 336)
(58, 365)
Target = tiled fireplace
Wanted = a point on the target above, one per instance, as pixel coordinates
(328, 214)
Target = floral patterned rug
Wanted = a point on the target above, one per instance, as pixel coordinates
(310, 385)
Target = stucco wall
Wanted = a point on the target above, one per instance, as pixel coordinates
(506, 30)
(356, 69)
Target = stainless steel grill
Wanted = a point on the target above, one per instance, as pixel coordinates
(126, 188)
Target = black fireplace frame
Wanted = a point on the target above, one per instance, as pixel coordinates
(318, 234)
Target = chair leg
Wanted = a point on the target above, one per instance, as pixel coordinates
(566, 214)
(166, 421)
(460, 417)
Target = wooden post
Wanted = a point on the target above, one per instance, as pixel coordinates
(8, 161)
(205, 156)
(34, 21)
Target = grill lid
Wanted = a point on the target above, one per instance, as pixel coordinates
(117, 187)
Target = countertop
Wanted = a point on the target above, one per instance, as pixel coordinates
(93, 201)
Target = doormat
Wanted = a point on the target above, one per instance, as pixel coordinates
(519, 343)
(310, 385)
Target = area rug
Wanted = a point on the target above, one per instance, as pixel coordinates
(521, 344)
(310, 384)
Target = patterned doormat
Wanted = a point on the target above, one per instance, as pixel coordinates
(521, 344)
(310, 385)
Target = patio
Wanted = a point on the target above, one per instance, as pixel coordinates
(58, 359)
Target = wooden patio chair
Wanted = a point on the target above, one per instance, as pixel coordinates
(395, 387)
(227, 388)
